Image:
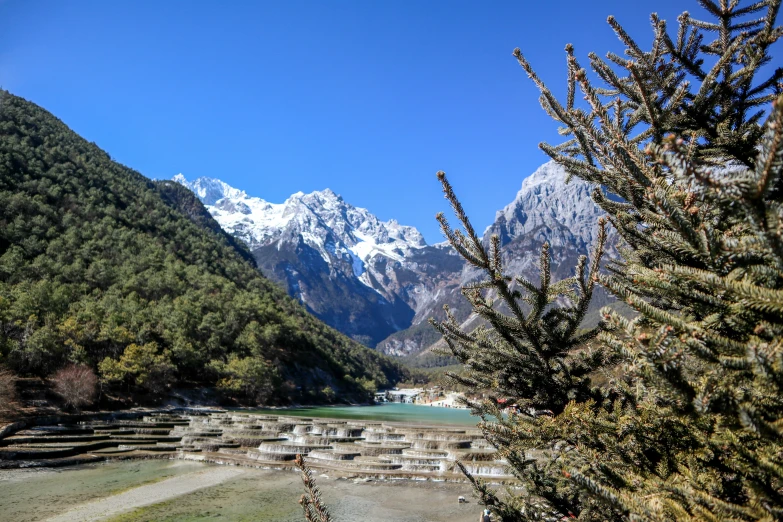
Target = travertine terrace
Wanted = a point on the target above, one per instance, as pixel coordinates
(350, 448)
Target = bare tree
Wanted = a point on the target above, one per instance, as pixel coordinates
(76, 384)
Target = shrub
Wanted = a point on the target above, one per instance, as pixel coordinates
(77, 384)
(368, 386)
(329, 394)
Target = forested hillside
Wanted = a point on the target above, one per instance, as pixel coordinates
(102, 266)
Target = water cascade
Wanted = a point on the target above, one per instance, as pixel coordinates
(353, 448)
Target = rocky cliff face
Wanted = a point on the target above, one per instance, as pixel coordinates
(548, 208)
(379, 281)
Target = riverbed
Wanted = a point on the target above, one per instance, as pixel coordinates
(158, 490)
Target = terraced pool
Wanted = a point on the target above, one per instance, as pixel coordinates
(359, 458)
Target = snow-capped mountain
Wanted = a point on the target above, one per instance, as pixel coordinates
(325, 222)
(378, 281)
(364, 276)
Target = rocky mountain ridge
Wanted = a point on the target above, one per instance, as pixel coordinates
(379, 281)
(324, 219)
(366, 277)
(546, 209)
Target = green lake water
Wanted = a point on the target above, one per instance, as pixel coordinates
(384, 412)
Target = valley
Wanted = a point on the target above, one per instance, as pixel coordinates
(379, 282)
(223, 295)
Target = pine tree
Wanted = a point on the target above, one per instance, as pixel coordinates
(690, 423)
(530, 352)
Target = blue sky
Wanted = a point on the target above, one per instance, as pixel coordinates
(368, 98)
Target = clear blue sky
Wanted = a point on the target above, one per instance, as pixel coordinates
(369, 98)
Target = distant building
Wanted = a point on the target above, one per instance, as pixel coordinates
(407, 396)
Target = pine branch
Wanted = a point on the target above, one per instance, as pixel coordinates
(312, 505)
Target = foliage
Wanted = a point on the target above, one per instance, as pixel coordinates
(329, 394)
(251, 377)
(532, 358)
(140, 365)
(432, 370)
(77, 384)
(369, 387)
(536, 344)
(98, 263)
(689, 421)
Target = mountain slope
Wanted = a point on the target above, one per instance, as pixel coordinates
(363, 276)
(548, 207)
(100, 265)
(184, 201)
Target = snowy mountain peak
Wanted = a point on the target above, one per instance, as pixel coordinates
(210, 190)
(322, 219)
(377, 281)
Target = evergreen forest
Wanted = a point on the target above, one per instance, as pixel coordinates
(100, 266)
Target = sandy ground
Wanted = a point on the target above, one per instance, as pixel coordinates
(147, 495)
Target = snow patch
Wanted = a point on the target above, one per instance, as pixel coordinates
(367, 246)
(322, 219)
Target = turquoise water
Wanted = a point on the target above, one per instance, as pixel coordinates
(384, 412)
